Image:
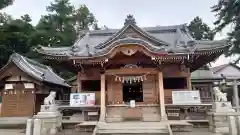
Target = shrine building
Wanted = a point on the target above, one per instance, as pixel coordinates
(24, 83)
(144, 64)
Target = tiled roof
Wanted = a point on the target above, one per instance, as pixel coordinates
(217, 68)
(220, 67)
(174, 38)
(36, 70)
(204, 74)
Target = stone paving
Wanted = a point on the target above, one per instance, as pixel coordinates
(12, 132)
(198, 131)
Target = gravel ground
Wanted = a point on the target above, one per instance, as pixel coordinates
(198, 131)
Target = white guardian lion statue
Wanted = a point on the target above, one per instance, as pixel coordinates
(50, 99)
(219, 95)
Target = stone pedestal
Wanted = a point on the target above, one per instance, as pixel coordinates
(218, 118)
(222, 107)
(51, 119)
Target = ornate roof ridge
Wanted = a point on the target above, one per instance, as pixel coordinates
(129, 22)
(148, 29)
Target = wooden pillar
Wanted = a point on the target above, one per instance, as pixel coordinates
(189, 81)
(103, 94)
(161, 96)
(79, 82)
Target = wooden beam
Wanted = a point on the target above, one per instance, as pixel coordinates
(131, 71)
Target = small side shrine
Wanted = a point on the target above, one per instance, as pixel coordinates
(138, 64)
(25, 84)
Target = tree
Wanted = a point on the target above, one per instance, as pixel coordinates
(56, 28)
(228, 13)
(26, 18)
(60, 27)
(4, 18)
(5, 3)
(84, 18)
(200, 30)
(14, 37)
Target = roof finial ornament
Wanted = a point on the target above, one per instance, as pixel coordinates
(130, 20)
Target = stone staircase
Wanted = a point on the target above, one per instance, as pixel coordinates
(144, 113)
(133, 128)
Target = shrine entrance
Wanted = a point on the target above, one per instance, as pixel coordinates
(132, 91)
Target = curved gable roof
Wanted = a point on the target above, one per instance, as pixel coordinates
(118, 34)
(36, 70)
(175, 39)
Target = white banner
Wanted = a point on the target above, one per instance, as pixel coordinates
(186, 97)
(82, 99)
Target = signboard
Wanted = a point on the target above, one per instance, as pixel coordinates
(82, 99)
(186, 97)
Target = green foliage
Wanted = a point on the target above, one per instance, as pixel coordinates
(14, 37)
(58, 28)
(62, 24)
(228, 13)
(200, 30)
(5, 3)
(84, 18)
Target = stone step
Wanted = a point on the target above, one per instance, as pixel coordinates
(133, 123)
(131, 127)
(137, 128)
(133, 131)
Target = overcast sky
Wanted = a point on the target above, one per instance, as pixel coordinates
(113, 12)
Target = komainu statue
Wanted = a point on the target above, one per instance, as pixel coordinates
(219, 96)
(50, 99)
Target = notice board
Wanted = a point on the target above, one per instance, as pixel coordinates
(186, 97)
(82, 99)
